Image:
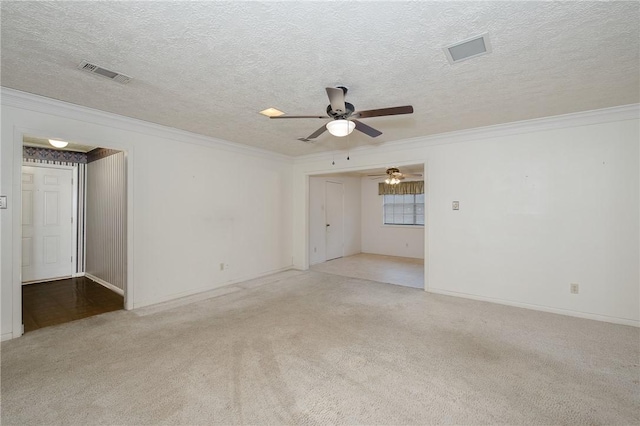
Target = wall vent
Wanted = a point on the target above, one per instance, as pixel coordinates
(467, 49)
(95, 69)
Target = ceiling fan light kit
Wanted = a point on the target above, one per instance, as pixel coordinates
(394, 176)
(341, 127)
(345, 116)
(392, 181)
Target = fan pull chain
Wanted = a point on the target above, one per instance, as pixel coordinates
(348, 149)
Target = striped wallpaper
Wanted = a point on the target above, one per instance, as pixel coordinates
(106, 220)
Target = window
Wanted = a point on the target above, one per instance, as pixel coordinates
(407, 209)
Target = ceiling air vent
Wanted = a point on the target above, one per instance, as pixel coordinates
(95, 69)
(467, 49)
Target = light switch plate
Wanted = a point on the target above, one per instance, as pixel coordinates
(455, 205)
(3, 201)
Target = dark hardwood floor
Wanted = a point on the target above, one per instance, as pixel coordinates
(57, 302)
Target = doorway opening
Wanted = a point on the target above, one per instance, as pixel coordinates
(74, 237)
(382, 235)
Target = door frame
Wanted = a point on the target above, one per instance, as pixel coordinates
(74, 211)
(16, 240)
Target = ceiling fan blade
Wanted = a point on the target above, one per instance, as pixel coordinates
(314, 135)
(412, 174)
(299, 116)
(368, 130)
(336, 98)
(407, 109)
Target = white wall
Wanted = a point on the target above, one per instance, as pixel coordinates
(390, 240)
(543, 204)
(317, 221)
(194, 202)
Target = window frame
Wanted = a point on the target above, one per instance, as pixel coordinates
(415, 212)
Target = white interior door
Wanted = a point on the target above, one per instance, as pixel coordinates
(47, 207)
(334, 214)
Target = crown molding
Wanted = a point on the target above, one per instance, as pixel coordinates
(31, 102)
(577, 119)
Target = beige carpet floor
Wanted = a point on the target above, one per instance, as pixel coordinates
(316, 348)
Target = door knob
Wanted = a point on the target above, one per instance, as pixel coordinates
(328, 224)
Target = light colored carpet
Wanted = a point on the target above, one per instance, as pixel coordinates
(315, 348)
(405, 271)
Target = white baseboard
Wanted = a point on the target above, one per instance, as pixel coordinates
(105, 284)
(78, 274)
(174, 303)
(46, 280)
(567, 312)
(149, 302)
(6, 336)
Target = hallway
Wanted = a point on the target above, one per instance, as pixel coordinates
(56, 302)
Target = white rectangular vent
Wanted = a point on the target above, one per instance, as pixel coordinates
(95, 69)
(467, 49)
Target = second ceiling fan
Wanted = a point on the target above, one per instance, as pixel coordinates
(345, 116)
(393, 176)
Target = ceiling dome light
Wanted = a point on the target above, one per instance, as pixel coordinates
(58, 144)
(341, 127)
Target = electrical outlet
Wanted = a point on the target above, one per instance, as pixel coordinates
(222, 266)
(3, 202)
(574, 288)
(455, 205)
(315, 249)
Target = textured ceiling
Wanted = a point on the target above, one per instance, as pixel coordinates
(209, 67)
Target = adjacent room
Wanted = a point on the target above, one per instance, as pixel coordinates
(320, 212)
(369, 224)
